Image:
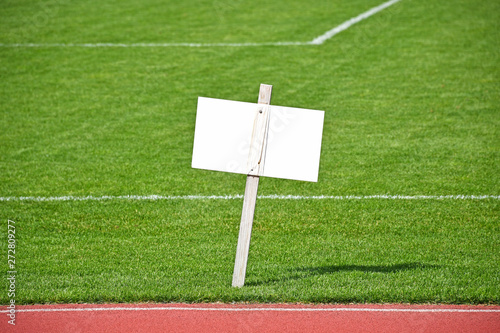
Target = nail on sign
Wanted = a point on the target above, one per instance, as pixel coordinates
(256, 139)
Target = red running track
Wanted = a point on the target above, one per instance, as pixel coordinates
(75, 318)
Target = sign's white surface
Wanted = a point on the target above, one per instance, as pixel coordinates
(223, 136)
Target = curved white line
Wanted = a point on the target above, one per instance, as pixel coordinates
(330, 33)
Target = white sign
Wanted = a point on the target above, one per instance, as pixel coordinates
(264, 140)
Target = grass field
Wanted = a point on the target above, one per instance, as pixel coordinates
(411, 99)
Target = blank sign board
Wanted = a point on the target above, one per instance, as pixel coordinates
(224, 133)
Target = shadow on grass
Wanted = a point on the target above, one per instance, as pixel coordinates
(306, 272)
(363, 268)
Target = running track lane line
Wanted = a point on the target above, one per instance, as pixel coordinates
(316, 41)
(189, 318)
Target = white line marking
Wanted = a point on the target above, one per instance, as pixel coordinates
(239, 196)
(121, 45)
(316, 41)
(125, 197)
(329, 34)
(256, 310)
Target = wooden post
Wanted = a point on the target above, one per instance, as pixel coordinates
(257, 151)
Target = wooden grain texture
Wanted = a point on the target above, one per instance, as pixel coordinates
(251, 188)
(249, 201)
(258, 143)
(265, 94)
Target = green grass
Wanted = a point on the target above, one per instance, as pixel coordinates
(349, 251)
(412, 107)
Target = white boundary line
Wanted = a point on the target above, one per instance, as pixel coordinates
(122, 45)
(316, 41)
(329, 34)
(255, 309)
(239, 196)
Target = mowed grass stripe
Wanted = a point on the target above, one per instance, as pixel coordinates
(311, 251)
(316, 41)
(185, 23)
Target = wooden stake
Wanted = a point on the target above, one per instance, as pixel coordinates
(257, 151)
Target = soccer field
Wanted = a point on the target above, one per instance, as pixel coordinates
(98, 106)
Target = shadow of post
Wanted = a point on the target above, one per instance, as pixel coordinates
(306, 272)
(364, 268)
